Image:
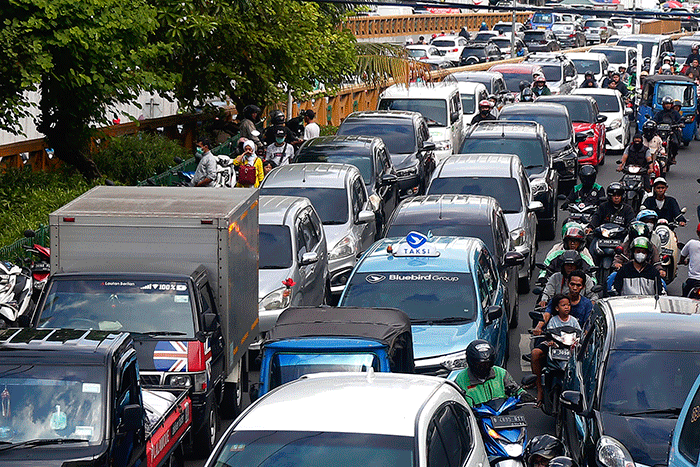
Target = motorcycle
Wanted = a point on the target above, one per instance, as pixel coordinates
(633, 183)
(15, 294)
(39, 264)
(666, 132)
(669, 249)
(579, 212)
(225, 173)
(504, 434)
(606, 238)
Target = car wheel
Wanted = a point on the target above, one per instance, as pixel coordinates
(205, 439)
(232, 399)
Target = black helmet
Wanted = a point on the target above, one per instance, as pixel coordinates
(526, 95)
(587, 174)
(667, 100)
(588, 74)
(615, 188)
(277, 117)
(562, 461)
(639, 229)
(523, 84)
(249, 110)
(480, 357)
(649, 128)
(571, 257)
(545, 446)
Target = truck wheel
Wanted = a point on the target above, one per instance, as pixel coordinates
(231, 400)
(205, 439)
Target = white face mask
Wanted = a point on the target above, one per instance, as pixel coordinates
(640, 257)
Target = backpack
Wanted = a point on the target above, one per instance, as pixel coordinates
(246, 174)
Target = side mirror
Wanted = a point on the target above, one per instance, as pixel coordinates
(309, 258)
(535, 206)
(428, 146)
(529, 381)
(364, 217)
(628, 111)
(581, 137)
(601, 118)
(132, 419)
(493, 313)
(209, 322)
(684, 210)
(618, 162)
(572, 400)
(513, 258)
(536, 316)
(541, 265)
(389, 179)
(254, 392)
(598, 288)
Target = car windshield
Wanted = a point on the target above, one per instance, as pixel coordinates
(484, 37)
(330, 203)
(52, 402)
(430, 296)
(594, 23)
(502, 42)
(473, 50)
(579, 112)
(443, 43)
(552, 72)
(614, 56)
(683, 92)
(531, 36)
(664, 383)
(542, 18)
(558, 128)
(513, 79)
(646, 47)
(398, 135)
(434, 110)
(288, 366)
(502, 28)
(338, 155)
(607, 102)
(468, 103)
(275, 247)
(417, 53)
(582, 66)
(529, 151)
(137, 306)
(313, 449)
(683, 48)
(505, 190)
(446, 227)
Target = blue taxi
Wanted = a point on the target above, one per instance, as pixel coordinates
(448, 286)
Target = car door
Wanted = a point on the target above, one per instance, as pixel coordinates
(456, 120)
(359, 201)
(530, 216)
(570, 77)
(448, 439)
(298, 297)
(312, 274)
(487, 284)
(509, 274)
(391, 195)
(128, 447)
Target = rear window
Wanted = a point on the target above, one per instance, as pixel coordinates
(542, 18)
(558, 128)
(607, 103)
(434, 110)
(484, 37)
(473, 51)
(614, 56)
(330, 203)
(646, 47)
(593, 23)
(501, 28)
(513, 79)
(443, 227)
(417, 53)
(443, 43)
(338, 155)
(582, 66)
(505, 190)
(552, 72)
(398, 135)
(579, 111)
(562, 27)
(529, 151)
(534, 35)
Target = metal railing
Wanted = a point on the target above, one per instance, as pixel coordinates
(16, 250)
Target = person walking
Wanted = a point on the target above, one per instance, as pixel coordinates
(205, 174)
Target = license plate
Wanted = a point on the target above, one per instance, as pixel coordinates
(559, 354)
(666, 251)
(608, 243)
(508, 421)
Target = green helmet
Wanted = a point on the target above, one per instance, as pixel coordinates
(640, 242)
(568, 225)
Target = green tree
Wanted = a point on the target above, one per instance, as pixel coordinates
(82, 56)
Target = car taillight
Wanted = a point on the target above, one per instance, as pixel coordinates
(455, 50)
(543, 42)
(628, 25)
(604, 28)
(571, 35)
(587, 28)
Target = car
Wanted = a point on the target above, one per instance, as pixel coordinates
(481, 52)
(292, 244)
(598, 30)
(506, 27)
(617, 124)
(586, 119)
(369, 154)
(451, 46)
(503, 42)
(528, 140)
(515, 73)
(502, 177)
(407, 139)
(683, 48)
(685, 441)
(617, 55)
(541, 40)
(471, 94)
(689, 22)
(627, 380)
(379, 418)
(623, 26)
(439, 103)
(613, 40)
(495, 85)
(569, 34)
(429, 54)
(559, 71)
(560, 133)
(648, 41)
(448, 286)
(544, 20)
(484, 36)
(466, 216)
(339, 195)
(596, 63)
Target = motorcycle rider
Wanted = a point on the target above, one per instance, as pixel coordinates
(581, 306)
(639, 229)
(652, 140)
(613, 210)
(638, 277)
(573, 238)
(562, 461)
(690, 255)
(614, 77)
(539, 87)
(484, 112)
(588, 191)
(670, 116)
(278, 122)
(482, 381)
(526, 95)
(638, 154)
(694, 55)
(589, 80)
(665, 206)
(558, 283)
(542, 449)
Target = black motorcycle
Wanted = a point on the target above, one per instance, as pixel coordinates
(632, 182)
(606, 238)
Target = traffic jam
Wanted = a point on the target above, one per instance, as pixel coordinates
(456, 278)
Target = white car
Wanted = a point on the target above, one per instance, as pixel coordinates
(471, 94)
(617, 55)
(623, 25)
(617, 123)
(586, 61)
(427, 53)
(451, 45)
(373, 419)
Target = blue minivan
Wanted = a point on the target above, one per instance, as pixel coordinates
(685, 442)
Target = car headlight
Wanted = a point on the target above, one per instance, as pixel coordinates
(587, 151)
(615, 124)
(178, 381)
(517, 236)
(538, 185)
(345, 247)
(611, 453)
(570, 162)
(443, 145)
(275, 300)
(454, 361)
(407, 172)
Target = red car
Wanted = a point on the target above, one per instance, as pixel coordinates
(586, 118)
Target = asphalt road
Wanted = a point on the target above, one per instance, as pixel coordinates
(682, 186)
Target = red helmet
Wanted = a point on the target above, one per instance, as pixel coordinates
(485, 103)
(540, 79)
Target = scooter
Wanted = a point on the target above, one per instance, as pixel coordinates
(15, 294)
(39, 263)
(669, 249)
(225, 174)
(606, 238)
(633, 183)
(504, 434)
(579, 212)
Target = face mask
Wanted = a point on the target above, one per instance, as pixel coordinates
(200, 151)
(279, 140)
(484, 111)
(640, 257)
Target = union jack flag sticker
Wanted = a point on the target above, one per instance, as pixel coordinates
(170, 356)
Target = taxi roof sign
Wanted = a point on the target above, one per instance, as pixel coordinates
(415, 245)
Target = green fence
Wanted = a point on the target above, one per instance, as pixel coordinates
(16, 250)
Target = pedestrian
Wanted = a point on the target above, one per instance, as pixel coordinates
(280, 151)
(250, 167)
(247, 125)
(690, 255)
(205, 174)
(311, 128)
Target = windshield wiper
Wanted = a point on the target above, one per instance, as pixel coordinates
(448, 320)
(42, 442)
(668, 411)
(163, 333)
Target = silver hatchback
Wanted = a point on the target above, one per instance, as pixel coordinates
(293, 266)
(338, 193)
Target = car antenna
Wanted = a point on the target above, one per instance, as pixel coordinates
(303, 173)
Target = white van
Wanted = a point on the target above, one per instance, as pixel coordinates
(439, 103)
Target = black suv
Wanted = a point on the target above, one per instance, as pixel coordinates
(528, 140)
(407, 139)
(560, 132)
(480, 53)
(541, 40)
